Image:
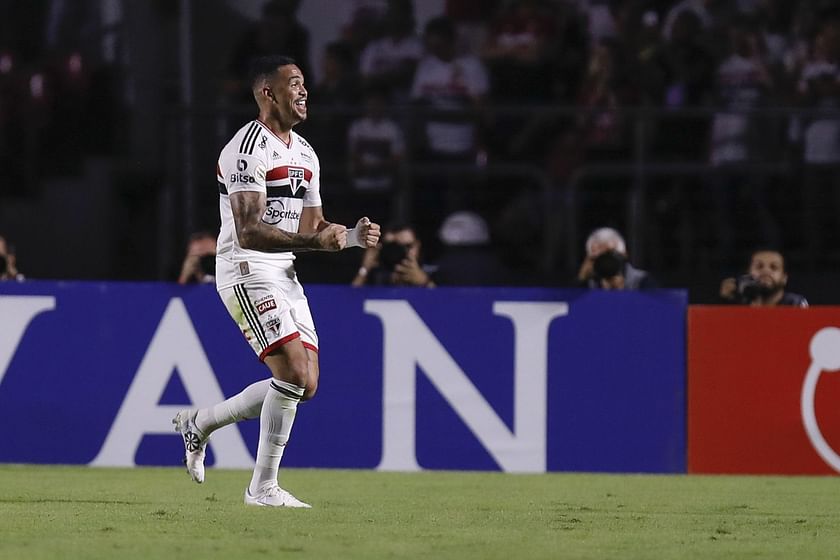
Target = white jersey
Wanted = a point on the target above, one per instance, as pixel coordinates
(289, 174)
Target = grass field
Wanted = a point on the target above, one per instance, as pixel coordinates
(68, 512)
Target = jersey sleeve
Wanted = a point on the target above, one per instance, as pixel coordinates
(313, 192)
(241, 172)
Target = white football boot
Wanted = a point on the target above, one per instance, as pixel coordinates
(274, 496)
(194, 443)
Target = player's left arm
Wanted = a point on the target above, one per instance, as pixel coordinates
(365, 234)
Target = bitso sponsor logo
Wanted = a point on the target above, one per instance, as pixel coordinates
(241, 178)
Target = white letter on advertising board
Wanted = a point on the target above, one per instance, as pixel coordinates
(175, 345)
(409, 345)
(16, 313)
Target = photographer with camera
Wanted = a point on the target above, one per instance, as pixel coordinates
(199, 266)
(8, 268)
(607, 267)
(394, 262)
(763, 285)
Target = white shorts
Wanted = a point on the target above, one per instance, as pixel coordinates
(270, 312)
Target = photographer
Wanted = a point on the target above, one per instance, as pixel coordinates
(395, 262)
(614, 271)
(763, 285)
(199, 266)
(8, 268)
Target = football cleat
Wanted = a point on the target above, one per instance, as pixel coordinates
(273, 496)
(194, 443)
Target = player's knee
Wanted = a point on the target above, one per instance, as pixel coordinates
(311, 389)
(298, 372)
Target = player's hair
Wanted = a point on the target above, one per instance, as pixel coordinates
(606, 235)
(263, 67)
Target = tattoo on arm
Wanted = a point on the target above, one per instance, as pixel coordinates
(248, 209)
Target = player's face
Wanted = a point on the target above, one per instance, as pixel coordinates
(768, 268)
(289, 94)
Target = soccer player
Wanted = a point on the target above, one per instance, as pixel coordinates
(270, 207)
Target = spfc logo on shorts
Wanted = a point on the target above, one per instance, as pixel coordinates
(295, 178)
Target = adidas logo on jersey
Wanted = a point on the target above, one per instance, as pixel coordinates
(275, 155)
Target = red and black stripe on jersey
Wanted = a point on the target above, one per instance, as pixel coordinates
(293, 176)
(281, 173)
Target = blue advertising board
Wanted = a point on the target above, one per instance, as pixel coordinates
(520, 380)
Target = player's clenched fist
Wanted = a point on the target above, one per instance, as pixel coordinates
(368, 232)
(333, 237)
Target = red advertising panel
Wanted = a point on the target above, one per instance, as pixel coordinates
(763, 390)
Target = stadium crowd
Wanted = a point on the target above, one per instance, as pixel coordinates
(408, 119)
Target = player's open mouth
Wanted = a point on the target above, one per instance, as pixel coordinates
(301, 104)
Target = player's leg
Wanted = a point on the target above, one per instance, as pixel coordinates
(196, 425)
(314, 375)
(289, 365)
(279, 344)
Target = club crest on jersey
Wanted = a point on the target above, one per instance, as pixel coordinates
(295, 178)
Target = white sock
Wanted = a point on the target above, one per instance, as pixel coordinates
(242, 406)
(276, 419)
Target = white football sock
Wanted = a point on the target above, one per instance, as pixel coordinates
(276, 419)
(242, 406)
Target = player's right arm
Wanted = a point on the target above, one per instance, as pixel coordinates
(248, 208)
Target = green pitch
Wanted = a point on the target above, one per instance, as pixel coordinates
(63, 512)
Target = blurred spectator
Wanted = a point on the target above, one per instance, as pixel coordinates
(517, 50)
(468, 258)
(737, 138)
(764, 284)
(697, 8)
(199, 266)
(648, 61)
(600, 19)
(691, 64)
(336, 95)
(614, 271)
(600, 124)
(471, 22)
(449, 83)
(8, 262)
(819, 90)
(278, 31)
(395, 262)
(376, 149)
(450, 90)
(389, 63)
(364, 23)
(743, 83)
